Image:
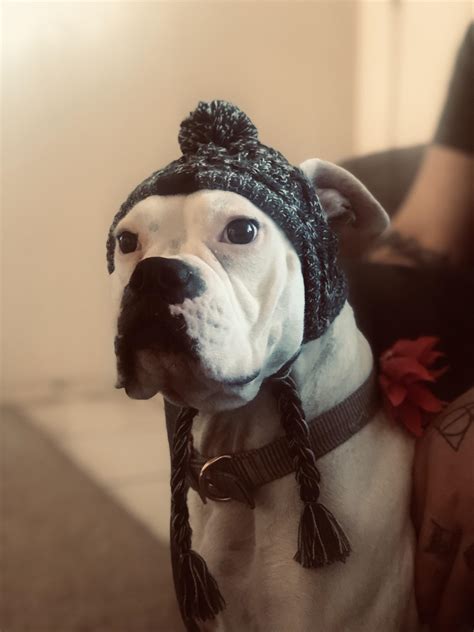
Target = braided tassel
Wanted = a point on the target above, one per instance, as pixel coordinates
(321, 540)
(197, 591)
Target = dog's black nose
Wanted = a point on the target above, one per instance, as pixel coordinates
(172, 279)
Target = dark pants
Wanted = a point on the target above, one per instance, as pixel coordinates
(392, 302)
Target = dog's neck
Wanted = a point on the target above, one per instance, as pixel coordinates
(327, 371)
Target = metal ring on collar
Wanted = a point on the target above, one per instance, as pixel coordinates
(207, 488)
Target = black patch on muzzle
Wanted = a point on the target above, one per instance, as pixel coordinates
(145, 322)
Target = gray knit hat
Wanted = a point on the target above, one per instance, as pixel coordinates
(221, 151)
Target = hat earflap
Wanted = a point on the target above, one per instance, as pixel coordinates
(321, 539)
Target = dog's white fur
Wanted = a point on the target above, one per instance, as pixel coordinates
(250, 319)
(366, 482)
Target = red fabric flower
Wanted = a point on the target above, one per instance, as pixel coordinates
(404, 368)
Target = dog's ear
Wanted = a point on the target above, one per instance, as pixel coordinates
(351, 209)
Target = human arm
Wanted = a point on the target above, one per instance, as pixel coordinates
(437, 214)
(438, 210)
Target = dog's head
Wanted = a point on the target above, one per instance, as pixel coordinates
(212, 288)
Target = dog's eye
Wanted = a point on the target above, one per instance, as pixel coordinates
(241, 231)
(127, 242)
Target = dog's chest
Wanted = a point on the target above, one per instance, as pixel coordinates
(366, 483)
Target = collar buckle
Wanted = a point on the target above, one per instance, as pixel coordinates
(206, 485)
(220, 484)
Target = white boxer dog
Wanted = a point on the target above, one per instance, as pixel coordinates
(212, 301)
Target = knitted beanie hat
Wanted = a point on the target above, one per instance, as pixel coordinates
(221, 151)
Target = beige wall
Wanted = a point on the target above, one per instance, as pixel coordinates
(93, 95)
(405, 54)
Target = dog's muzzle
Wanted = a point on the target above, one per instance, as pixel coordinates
(145, 321)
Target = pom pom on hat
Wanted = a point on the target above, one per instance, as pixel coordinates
(219, 123)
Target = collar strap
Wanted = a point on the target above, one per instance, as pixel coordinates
(236, 476)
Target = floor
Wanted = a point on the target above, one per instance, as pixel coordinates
(120, 443)
(73, 559)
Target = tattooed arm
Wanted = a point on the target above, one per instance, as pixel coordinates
(443, 508)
